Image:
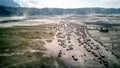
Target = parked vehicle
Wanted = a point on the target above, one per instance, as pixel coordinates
(60, 54)
(75, 58)
(70, 47)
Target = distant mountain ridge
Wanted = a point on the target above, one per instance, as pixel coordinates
(8, 3)
(10, 11)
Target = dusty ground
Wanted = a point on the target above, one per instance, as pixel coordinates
(51, 47)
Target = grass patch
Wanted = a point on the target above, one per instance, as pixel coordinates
(59, 34)
(48, 41)
(29, 60)
(18, 39)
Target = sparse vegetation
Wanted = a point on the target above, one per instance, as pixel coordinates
(49, 41)
(59, 34)
(19, 40)
(103, 29)
(30, 60)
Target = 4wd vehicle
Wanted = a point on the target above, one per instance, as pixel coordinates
(75, 58)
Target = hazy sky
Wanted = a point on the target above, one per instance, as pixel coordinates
(69, 3)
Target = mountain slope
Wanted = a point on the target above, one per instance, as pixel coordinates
(55, 11)
(9, 3)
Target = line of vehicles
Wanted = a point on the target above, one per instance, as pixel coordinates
(91, 47)
(66, 36)
(84, 40)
